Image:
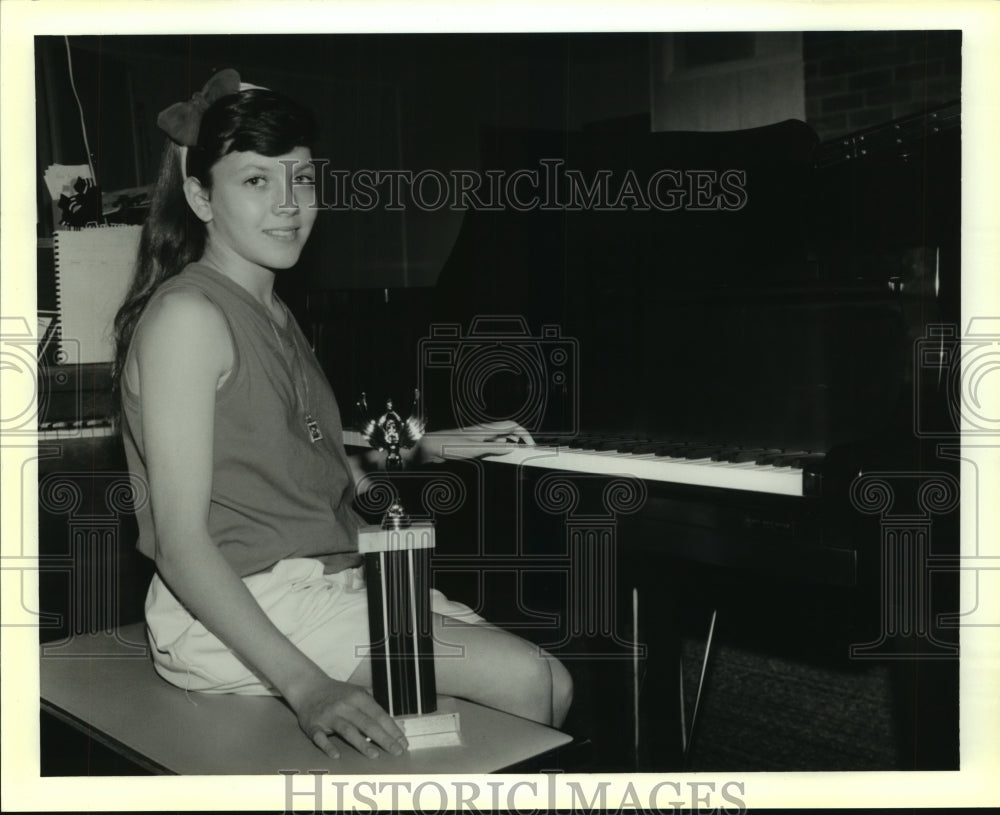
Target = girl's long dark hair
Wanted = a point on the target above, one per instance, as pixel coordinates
(256, 120)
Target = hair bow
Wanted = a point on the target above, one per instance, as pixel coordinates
(182, 120)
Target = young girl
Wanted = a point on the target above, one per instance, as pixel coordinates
(229, 420)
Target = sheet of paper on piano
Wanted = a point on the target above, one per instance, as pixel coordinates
(93, 270)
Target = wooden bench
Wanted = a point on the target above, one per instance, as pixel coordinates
(105, 685)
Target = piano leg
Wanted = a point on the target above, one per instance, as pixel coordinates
(626, 706)
(658, 725)
(925, 697)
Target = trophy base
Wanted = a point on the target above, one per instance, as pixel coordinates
(431, 730)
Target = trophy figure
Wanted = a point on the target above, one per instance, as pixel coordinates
(397, 570)
(390, 432)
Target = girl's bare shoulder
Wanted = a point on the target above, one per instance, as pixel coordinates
(183, 321)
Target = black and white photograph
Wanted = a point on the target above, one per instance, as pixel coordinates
(427, 414)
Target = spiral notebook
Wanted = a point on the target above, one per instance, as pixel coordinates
(94, 267)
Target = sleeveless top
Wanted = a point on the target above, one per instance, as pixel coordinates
(275, 494)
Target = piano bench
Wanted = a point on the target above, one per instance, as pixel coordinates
(105, 686)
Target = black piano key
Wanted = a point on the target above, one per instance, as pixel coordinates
(696, 452)
(704, 452)
(631, 445)
(665, 449)
(642, 448)
(749, 454)
(599, 441)
(768, 456)
(785, 459)
(800, 461)
(611, 444)
(734, 454)
(548, 441)
(677, 450)
(584, 442)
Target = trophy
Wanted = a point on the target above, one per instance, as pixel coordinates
(397, 571)
(390, 432)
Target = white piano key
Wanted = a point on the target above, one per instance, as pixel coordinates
(74, 432)
(649, 467)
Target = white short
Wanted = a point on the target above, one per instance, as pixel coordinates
(324, 615)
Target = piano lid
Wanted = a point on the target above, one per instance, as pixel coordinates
(717, 320)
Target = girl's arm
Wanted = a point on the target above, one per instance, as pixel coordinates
(182, 351)
(487, 439)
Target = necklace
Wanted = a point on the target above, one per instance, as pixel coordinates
(301, 396)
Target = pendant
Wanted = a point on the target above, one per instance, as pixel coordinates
(315, 434)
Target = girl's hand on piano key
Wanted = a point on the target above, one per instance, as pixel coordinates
(476, 441)
(351, 712)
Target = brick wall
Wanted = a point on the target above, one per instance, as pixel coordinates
(857, 79)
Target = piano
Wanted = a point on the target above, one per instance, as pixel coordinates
(75, 402)
(738, 371)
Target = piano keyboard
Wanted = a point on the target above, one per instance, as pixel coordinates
(700, 472)
(60, 431)
(770, 471)
(776, 472)
(100, 428)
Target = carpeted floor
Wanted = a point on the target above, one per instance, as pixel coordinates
(773, 712)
